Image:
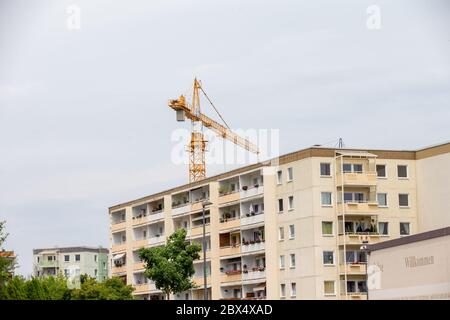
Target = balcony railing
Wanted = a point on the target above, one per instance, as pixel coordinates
(196, 231)
(353, 268)
(365, 178)
(250, 191)
(260, 273)
(229, 197)
(181, 208)
(255, 246)
(252, 218)
(231, 276)
(116, 226)
(359, 238)
(230, 250)
(358, 208)
(122, 246)
(229, 223)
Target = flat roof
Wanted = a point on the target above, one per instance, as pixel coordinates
(71, 249)
(315, 151)
(437, 233)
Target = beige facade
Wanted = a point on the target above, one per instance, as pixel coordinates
(291, 228)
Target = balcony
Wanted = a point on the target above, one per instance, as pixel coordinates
(199, 280)
(181, 209)
(119, 247)
(197, 231)
(140, 219)
(252, 191)
(141, 288)
(155, 216)
(253, 275)
(353, 269)
(229, 197)
(119, 270)
(230, 250)
(208, 255)
(119, 226)
(230, 224)
(43, 263)
(231, 276)
(359, 238)
(252, 219)
(198, 205)
(354, 296)
(357, 179)
(358, 208)
(139, 266)
(253, 247)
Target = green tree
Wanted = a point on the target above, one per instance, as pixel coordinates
(171, 266)
(110, 289)
(45, 288)
(7, 264)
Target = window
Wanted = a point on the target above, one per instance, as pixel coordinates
(381, 171)
(282, 290)
(403, 200)
(144, 234)
(66, 258)
(292, 260)
(348, 197)
(358, 168)
(77, 257)
(95, 272)
(66, 273)
(328, 258)
(382, 199)
(327, 228)
(291, 203)
(383, 228)
(359, 197)
(328, 288)
(402, 171)
(280, 205)
(404, 228)
(95, 258)
(293, 289)
(281, 233)
(291, 231)
(326, 198)
(290, 175)
(282, 265)
(50, 258)
(347, 167)
(325, 170)
(279, 177)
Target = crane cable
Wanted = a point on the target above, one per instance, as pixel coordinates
(217, 111)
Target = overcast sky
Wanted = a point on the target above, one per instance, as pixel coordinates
(84, 122)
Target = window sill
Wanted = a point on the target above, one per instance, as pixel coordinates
(291, 209)
(327, 205)
(328, 235)
(403, 178)
(404, 207)
(382, 178)
(322, 176)
(280, 212)
(383, 207)
(291, 238)
(330, 294)
(282, 268)
(290, 180)
(292, 267)
(328, 265)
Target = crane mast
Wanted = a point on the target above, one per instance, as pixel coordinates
(197, 146)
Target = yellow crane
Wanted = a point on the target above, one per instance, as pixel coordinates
(197, 146)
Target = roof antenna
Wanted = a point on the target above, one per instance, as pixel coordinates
(340, 143)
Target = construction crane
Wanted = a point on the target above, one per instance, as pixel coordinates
(197, 146)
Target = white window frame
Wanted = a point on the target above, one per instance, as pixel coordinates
(292, 265)
(407, 172)
(293, 289)
(282, 262)
(282, 204)
(378, 226)
(385, 170)
(334, 287)
(288, 178)
(404, 207)
(331, 199)
(282, 290)
(279, 177)
(290, 203)
(328, 264)
(280, 233)
(291, 235)
(320, 170)
(386, 198)
(332, 229)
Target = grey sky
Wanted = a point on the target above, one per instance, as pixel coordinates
(84, 122)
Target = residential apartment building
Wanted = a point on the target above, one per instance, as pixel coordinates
(288, 228)
(71, 262)
(11, 257)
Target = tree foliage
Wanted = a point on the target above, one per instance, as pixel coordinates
(7, 264)
(55, 288)
(171, 266)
